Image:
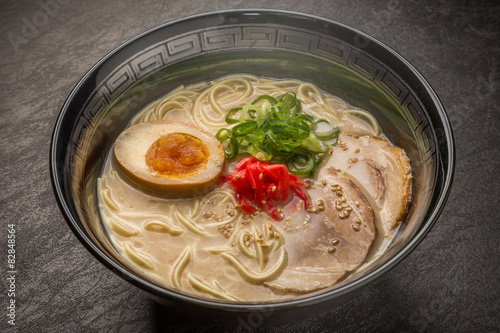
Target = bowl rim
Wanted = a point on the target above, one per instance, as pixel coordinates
(145, 285)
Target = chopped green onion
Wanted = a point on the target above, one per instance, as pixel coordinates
(291, 129)
(313, 144)
(300, 164)
(252, 111)
(276, 130)
(244, 128)
(324, 130)
(219, 133)
(293, 105)
(257, 135)
(229, 118)
(268, 98)
(307, 119)
(258, 152)
(231, 148)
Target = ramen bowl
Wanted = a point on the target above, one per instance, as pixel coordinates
(282, 45)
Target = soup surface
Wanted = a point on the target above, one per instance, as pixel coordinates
(230, 233)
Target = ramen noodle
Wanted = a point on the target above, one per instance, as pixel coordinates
(200, 240)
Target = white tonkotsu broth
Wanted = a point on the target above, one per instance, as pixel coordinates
(205, 245)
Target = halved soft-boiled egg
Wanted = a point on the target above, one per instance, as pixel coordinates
(170, 156)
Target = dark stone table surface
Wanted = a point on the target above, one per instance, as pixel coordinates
(450, 283)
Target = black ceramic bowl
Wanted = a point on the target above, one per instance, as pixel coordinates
(337, 58)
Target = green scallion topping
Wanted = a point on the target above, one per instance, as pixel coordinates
(276, 129)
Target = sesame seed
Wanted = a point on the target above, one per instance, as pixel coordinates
(339, 193)
(341, 215)
(354, 160)
(335, 241)
(237, 176)
(323, 182)
(332, 250)
(356, 227)
(343, 199)
(349, 166)
(358, 221)
(357, 150)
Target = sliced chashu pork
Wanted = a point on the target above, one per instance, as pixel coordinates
(383, 171)
(335, 242)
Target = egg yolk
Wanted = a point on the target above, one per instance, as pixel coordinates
(177, 155)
